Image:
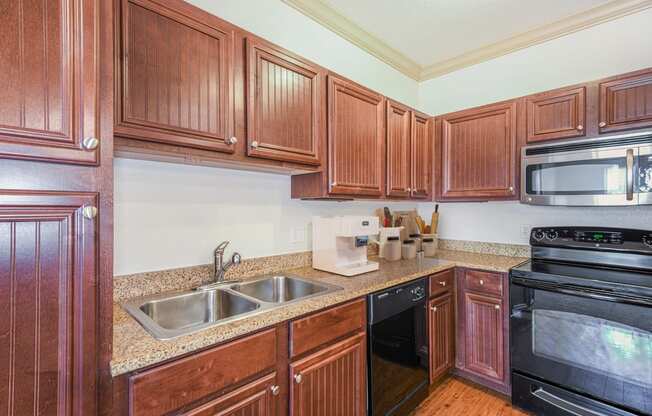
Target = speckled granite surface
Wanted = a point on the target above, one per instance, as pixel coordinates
(134, 348)
(498, 249)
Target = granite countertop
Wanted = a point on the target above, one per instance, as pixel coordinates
(134, 348)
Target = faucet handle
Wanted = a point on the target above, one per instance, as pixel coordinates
(222, 247)
(236, 258)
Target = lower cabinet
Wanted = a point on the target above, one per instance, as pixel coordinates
(331, 381)
(257, 398)
(442, 335)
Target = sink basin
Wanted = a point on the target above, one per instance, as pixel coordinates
(281, 289)
(168, 316)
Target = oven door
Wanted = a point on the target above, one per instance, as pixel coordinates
(586, 341)
(599, 176)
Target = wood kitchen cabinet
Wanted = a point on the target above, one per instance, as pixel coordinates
(409, 153)
(483, 328)
(174, 76)
(48, 302)
(558, 114)
(331, 381)
(50, 81)
(356, 139)
(626, 101)
(477, 153)
(441, 324)
(285, 105)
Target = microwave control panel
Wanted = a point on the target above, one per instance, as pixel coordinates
(593, 238)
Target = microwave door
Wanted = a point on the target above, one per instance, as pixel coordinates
(643, 175)
(591, 177)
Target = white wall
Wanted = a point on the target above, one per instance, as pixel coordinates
(169, 215)
(289, 28)
(611, 48)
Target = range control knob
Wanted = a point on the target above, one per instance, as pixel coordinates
(418, 292)
(538, 235)
(647, 240)
(552, 235)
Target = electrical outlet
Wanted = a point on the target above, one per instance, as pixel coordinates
(297, 235)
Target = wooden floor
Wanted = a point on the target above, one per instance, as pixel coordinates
(458, 397)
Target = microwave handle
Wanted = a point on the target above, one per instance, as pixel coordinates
(629, 175)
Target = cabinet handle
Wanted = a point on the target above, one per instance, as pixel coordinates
(497, 307)
(602, 124)
(275, 390)
(442, 283)
(90, 143)
(89, 211)
(298, 378)
(511, 189)
(333, 183)
(481, 282)
(580, 127)
(433, 308)
(254, 144)
(231, 140)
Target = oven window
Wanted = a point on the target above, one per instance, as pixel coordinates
(645, 173)
(615, 350)
(583, 177)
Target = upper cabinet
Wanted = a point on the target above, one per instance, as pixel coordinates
(476, 152)
(49, 81)
(626, 102)
(175, 77)
(356, 139)
(285, 105)
(422, 148)
(399, 152)
(556, 114)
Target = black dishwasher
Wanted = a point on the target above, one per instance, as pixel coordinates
(398, 349)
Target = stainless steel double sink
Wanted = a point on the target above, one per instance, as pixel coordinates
(170, 315)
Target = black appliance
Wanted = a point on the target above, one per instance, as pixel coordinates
(581, 323)
(398, 349)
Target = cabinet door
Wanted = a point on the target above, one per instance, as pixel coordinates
(484, 353)
(47, 303)
(422, 155)
(49, 87)
(442, 333)
(285, 105)
(626, 102)
(258, 398)
(399, 176)
(331, 381)
(356, 139)
(478, 153)
(558, 114)
(175, 77)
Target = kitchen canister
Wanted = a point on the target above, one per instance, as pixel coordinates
(417, 240)
(392, 249)
(429, 246)
(409, 250)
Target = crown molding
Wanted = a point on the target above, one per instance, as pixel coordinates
(592, 17)
(333, 20)
(336, 22)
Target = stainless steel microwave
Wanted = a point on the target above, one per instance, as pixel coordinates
(614, 170)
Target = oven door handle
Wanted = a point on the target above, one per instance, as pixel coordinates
(629, 175)
(573, 290)
(564, 404)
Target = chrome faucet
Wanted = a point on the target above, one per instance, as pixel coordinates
(219, 267)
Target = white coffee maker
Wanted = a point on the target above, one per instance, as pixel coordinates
(339, 244)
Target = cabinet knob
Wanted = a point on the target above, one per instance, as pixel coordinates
(333, 183)
(511, 189)
(275, 390)
(90, 143)
(442, 283)
(89, 211)
(433, 308)
(298, 378)
(231, 140)
(254, 144)
(580, 127)
(497, 307)
(481, 282)
(602, 124)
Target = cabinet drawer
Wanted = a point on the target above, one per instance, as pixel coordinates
(442, 282)
(318, 329)
(179, 383)
(484, 282)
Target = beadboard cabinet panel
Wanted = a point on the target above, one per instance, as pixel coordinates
(558, 114)
(399, 151)
(175, 78)
(442, 335)
(626, 102)
(49, 80)
(422, 150)
(285, 105)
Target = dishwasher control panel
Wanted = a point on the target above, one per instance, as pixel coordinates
(396, 299)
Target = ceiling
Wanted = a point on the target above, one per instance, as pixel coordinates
(428, 38)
